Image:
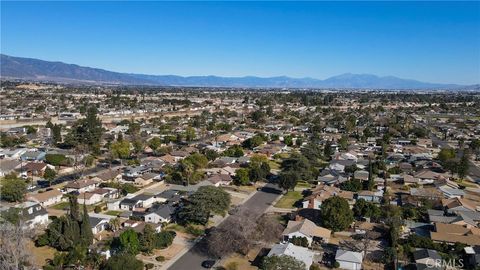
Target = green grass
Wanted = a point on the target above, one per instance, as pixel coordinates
(288, 200)
(113, 213)
(61, 206)
(303, 185)
(176, 227)
(274, 165)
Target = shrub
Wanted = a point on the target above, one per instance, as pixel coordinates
(97, 209)
(160, 258)
(336, 264)
(149, 266)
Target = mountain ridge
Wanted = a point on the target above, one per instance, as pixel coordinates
(41, 70)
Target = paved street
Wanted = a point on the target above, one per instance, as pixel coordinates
(193, 259)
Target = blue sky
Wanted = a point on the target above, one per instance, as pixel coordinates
(429, 41)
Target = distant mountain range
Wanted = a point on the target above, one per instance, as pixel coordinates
(39, 70)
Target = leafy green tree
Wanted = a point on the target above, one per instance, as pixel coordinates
(49, 174)
(210, 154)
(129, 242)
(123, 261)
(288, 140)
(87, 131)
(241, 177)
(198, 161)
(120, 149)
(205, 201)
(234, 151)
(190, 134)
(253, 142)
(56, 159)
(164, 239)
(299, 241)
(335, 214)
(353, 185)
(288, 180)
(155, 143)
(147, 239)
(446, 154)
(13, 189)
(298, 164)
(12, 215)
(363, 208)
(283, 262)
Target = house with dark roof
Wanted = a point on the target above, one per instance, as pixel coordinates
(425, 256)
(160, 213)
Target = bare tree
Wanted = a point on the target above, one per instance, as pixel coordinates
(240, 233)
(13, 245)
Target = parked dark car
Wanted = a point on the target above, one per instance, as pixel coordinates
(208, 264)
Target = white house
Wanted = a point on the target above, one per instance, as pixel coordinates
(33, 214)
(349, 260)
(299, 253)
(46, 198)
(89, 198)
(98, 224)
(159, 213)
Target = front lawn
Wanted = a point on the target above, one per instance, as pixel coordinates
(61, 206)
(288, 200)
(113, 213)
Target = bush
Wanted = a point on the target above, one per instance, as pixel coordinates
(149, 266)
(336, 264)
(314, 267)
(194, 231)
(97, 209)
(164, 239)
(160, 258)
(42, 240)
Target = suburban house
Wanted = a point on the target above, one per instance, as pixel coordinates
(98, 224)
(452, 233)
(220, 179)
(166, 195)
(323, 192)
(299, 253)
(108, 175)
(140, 201)
(159, 213)
(8, 166)
(46, 198)
(425, 256)
(81, 186)
(308, 229)
(89, 198)
(145, 179)
(370, 196)
(349, 260)
(33, 156)
(35, 168)
(33, 214)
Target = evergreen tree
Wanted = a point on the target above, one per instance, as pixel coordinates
(86, 230)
